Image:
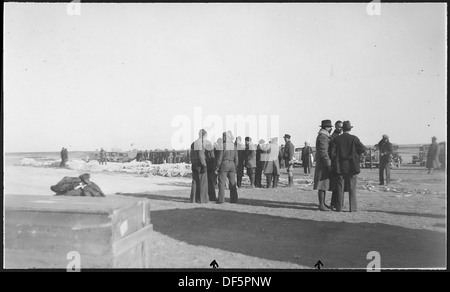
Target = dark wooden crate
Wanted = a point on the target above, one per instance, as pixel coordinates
(109, 232)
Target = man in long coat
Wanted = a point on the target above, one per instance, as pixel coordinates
(333, 177)
(240, 167)
(63, 157)
(199, 189)
(211, 169)
(433, 156)
(102, 156)
(306, 158)
(250, 160)
(226, 166)
(385, 148)
(323, 163)
(272, 165)
(345, 151)
(218, 146)
(259, 164)
(288, 156)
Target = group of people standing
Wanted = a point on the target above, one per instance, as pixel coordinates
(337, 164)
(224, 163)
(161, 156)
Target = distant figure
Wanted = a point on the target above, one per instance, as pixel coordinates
(345, 151)
(64, 157)
(385, 148)
(102, 156)
(145, 155)
(175, 158)
(166, 156)
(323, 164)
(433, 156)
(139, 156)
(199, 189)
(288, 157)
(306, 158)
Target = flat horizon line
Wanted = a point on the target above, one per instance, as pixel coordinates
(18, 152)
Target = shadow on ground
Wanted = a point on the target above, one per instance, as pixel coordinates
(242, 201)
(304, 242)
(427, 215)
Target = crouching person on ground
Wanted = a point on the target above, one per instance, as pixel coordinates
(77, 186)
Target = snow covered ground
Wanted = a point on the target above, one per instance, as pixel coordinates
(146, 168)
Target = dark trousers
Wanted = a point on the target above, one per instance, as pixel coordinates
(258, 174)
(306, 169)
(240, 174)
(385, 166)
(211, 181)
(272, 180)
(199, 189)
(251, 175)
(334, 181)
(63, 163)
(227, 170)
(350, 181)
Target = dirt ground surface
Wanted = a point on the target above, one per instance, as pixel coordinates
(281, 228)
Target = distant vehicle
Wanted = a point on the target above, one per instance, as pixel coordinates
(181, 156)
(423, 151)
(112, 157)
(415, 159)
(372, 157)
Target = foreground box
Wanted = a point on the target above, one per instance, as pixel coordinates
(111, 232)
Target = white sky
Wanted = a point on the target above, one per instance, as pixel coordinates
(117, 74)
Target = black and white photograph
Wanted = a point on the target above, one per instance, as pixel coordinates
(225, 136)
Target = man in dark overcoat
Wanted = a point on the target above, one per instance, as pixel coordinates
(288, 156)
(345, 151)
(433, 156)
(211, 169)
(333, 177)
(306, 158)
(199, 189)
(259, 164)
(323, 163)
(226, 167)
(385, 149)
(240, 167)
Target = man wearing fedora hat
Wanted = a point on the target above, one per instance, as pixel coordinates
(345, 151)
(288, 156)
(323, 163)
